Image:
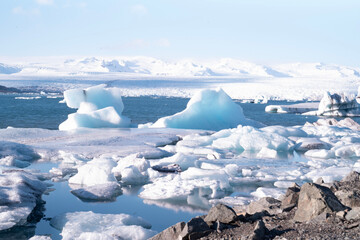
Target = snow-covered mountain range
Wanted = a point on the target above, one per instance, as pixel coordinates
(148, 66)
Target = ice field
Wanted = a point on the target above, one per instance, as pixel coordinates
(206, 152)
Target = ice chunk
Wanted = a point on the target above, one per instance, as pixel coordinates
(96, 171)
(98, 107)
(208, 109)
(19, 193)
(99, 192)
(40, 237)
(320, 153)
(347, 122)
(329, 174)
(185, 161)
(268, 192)
(304, 144)
(132, 170)
(16, 154)
(213, 184)
(338, 105)
(292, 108)
(89, 225)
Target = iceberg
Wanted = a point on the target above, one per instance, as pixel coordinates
(90, 225)
(98, 107)
(207, 110)
(337, 105)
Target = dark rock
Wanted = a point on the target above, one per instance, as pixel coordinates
(269, 204)
(221, 213)
(259, 231)
(348, 190)
(291, 198)
(315, 200)
(256, 216)
(172, 232)
(194, 229)
(352, 177)
(349, 198)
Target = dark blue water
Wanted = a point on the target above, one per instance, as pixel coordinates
(49, 113)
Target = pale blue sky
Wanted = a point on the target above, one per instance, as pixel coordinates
(262, 31)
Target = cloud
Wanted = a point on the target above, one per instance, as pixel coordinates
(139, 10)
(163, 42)
(45, 2)
(28, 12)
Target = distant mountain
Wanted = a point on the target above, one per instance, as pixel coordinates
(6, 69)
(4, 89)
(148, 66)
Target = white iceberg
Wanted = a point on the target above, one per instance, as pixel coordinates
(98, 107)
(209, 110)
(89, 225)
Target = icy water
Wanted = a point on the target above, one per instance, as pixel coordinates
(40, 111)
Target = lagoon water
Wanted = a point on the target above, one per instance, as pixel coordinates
(40, 111)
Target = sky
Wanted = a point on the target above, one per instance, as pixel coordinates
(261, 31)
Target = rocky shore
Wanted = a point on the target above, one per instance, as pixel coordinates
(313, 211)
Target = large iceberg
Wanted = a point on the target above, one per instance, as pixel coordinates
(98, 107)
(208, 110)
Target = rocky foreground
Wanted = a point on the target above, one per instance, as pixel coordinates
(313, 211)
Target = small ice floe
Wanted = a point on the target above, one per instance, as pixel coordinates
(90, 225)
(27, 98)
(98, 107)
(20, 193)
(16, 154)
(292, 108)
(95, 181)
(209, 110)
(132, 170)
(99, 192)
(210, 183)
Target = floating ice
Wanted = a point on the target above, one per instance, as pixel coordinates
(96, 171)
(292, 108)
(20, 192)
(15, 154)
(98, 107)
(132, 170)
(211, 184)
(89, 225)
(208, 109)
(99, 192)
(337, 105)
